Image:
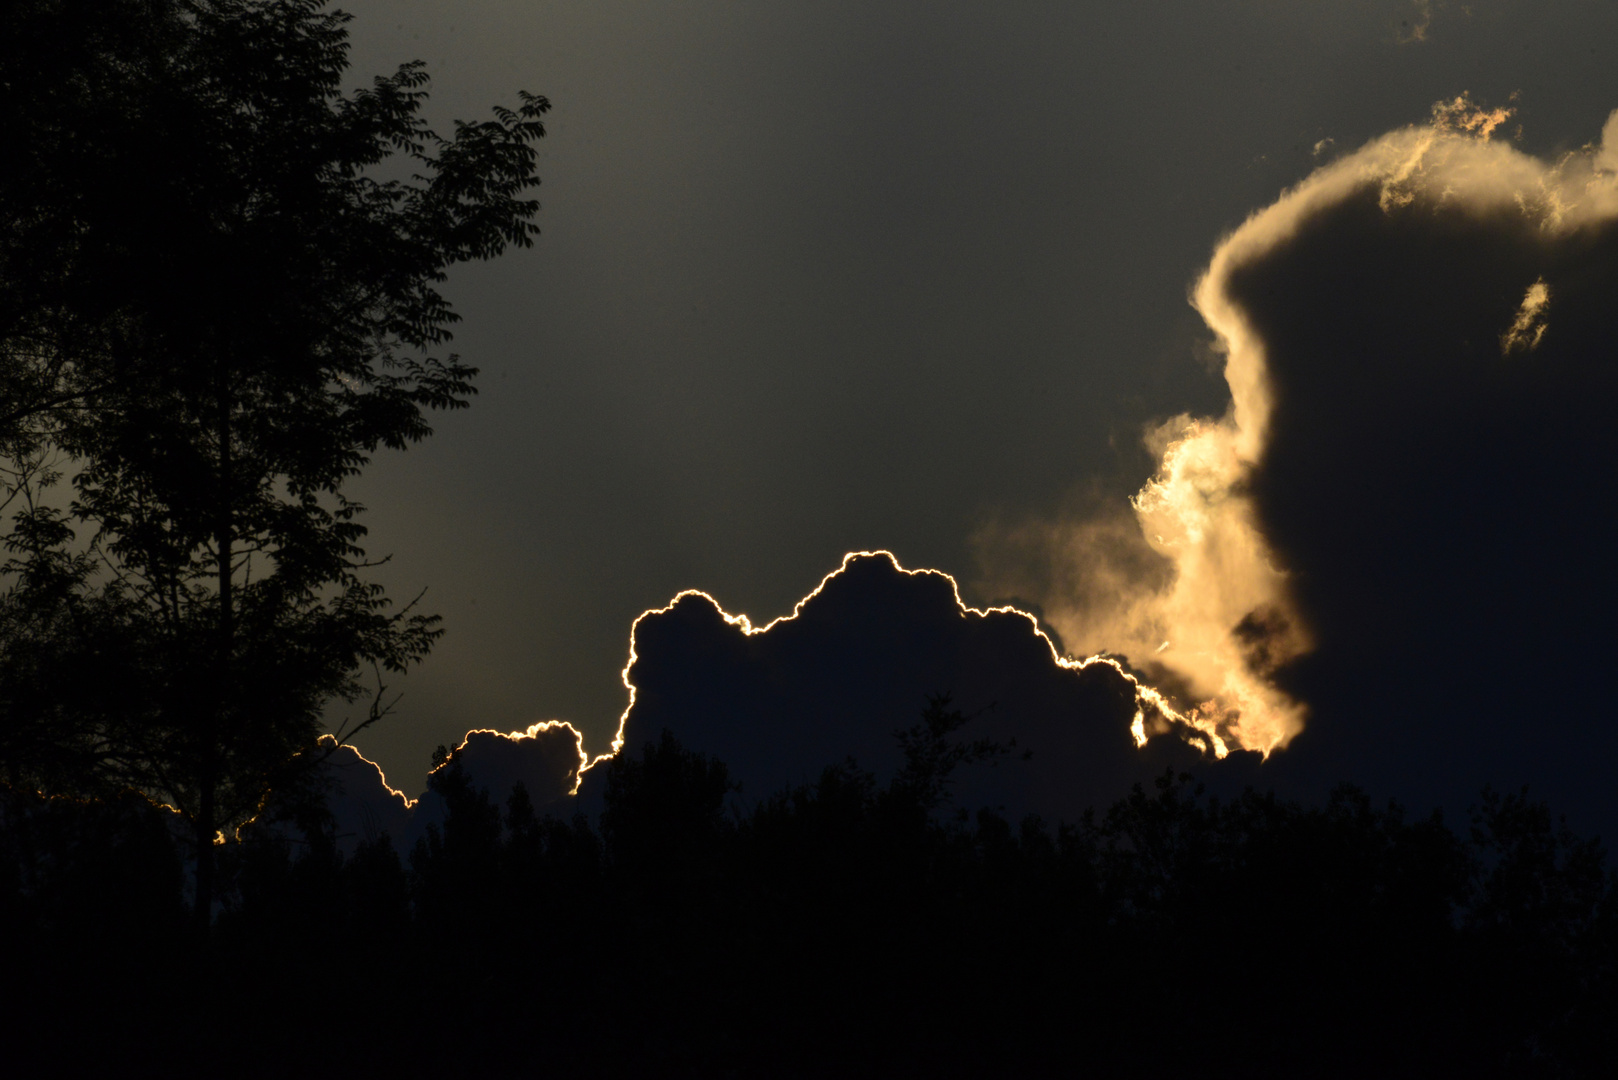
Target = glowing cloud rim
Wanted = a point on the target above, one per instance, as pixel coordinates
(1154, 715)
(1152, 708)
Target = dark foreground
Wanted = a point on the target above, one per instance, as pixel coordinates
(846, 928)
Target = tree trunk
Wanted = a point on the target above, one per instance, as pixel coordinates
(215, 719)
(205, 859)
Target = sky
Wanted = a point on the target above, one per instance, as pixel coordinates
(832, 277)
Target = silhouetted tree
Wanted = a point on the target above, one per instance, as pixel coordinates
(212, 317)
(663, 809)
(1541, 916)
(457, 863)
(836, 928)
(931, 756)
(91, 906)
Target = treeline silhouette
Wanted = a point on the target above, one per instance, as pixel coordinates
(841, 927)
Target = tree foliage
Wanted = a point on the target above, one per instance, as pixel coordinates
(219, 296)
(836, 927)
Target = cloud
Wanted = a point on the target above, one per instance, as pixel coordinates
(362, 801)
(546, 759)
(857, 660)
(1388, 560)
(1399, 531)
(1435, 329)
(1179, 580)
(1414, 33)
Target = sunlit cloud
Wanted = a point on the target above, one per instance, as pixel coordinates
(1413, 31)
(1528, 327)
(1216, 618)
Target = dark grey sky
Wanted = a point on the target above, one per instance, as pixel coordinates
(818, 277)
